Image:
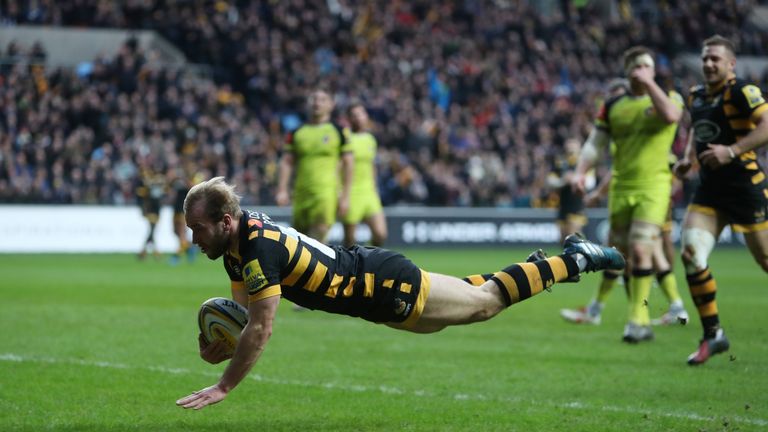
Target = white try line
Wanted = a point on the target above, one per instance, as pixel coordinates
(576, 405)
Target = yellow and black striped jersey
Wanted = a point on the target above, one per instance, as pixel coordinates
(371, 283)
(724, 117)
(151, 191)
(570, 202)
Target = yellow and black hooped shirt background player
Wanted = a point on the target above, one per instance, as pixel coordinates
(374, 284)
(739, 189)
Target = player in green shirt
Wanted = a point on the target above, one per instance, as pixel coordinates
(314, 151)
(641, 125)
(364, 204)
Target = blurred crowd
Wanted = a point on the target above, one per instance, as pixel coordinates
(472, 100)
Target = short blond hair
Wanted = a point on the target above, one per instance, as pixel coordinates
(218, 197)
(722, 41)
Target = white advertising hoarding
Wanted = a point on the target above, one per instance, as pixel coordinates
(81, 228)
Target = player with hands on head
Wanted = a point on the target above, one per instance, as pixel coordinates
(640, 125)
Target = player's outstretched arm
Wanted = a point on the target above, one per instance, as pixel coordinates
(252, 341)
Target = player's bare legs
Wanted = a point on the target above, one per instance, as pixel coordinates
(700, 233)
(318, 231)
(663, 254)
(452, 301)
(644, 238)
(570, 226)
(757, 242)
(378, 225)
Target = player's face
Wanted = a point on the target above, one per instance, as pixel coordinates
(572, 146)
(359, 118)
(717, 64)
(209, 236)
(320, 103)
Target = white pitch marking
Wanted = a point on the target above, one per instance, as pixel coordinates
(576, 405)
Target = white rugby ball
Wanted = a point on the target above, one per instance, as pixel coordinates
(223, 319)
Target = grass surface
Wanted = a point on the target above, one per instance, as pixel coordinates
(107, 343)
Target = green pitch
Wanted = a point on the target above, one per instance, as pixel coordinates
(107, 343)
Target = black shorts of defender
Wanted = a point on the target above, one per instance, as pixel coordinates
(380, 285)
(744, 206)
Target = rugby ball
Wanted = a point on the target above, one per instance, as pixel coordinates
(223, 319)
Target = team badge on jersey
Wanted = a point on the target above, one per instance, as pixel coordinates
(254, 277)
(753, 94)
(706, 130)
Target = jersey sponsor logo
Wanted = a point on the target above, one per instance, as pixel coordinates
(753, 94)
(706, 130)
(401, 307)
(235, 267)
(255, 280)
(252, 222)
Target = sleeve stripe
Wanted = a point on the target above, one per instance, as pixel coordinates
(758, 112)
(272, 291)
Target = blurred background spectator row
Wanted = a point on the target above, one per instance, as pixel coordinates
(472, 100)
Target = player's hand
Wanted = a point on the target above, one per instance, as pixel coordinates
(578, 184)
(642, 74)
(343, 206)
(214, 352)
(202, 398)
(591, 199)
(715, 156)
(681, 168)
(282, 198)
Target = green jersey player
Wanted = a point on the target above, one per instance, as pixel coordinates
(314, 151)
(641, 127)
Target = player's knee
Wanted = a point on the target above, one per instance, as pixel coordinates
(378, 235)
(485, 312)
(696, 246)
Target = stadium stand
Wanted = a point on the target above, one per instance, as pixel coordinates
(471, 99)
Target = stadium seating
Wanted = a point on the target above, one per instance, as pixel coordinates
(471, 100)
